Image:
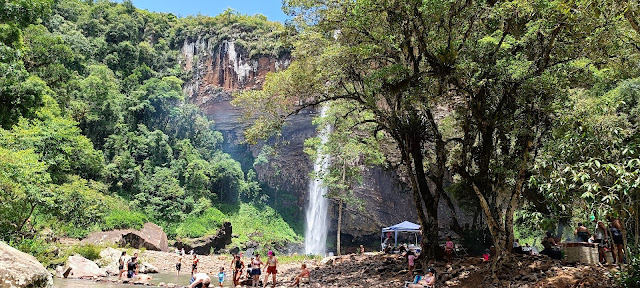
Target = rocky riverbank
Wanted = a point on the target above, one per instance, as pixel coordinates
(376, 270)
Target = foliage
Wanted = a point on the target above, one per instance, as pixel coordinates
(124, 219)
(629, 277)
(89, 251)
(260, 223)
(198, 225)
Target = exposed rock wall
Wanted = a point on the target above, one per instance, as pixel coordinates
(219, 69)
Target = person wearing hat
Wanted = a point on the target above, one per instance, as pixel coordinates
(427, 281)
(271, 265)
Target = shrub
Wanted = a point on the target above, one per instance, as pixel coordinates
(89, 251)
(630, 276)
(124, 219)
(198, 225)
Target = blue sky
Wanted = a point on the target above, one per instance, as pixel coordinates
(270, 8)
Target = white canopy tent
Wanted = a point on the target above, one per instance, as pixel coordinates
(405, 226)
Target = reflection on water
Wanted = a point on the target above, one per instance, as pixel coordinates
(182, 280)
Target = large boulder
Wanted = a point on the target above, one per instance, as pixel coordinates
(203, 245)
(18, 269)
(80, 267)
(109, 260)
(151, 237)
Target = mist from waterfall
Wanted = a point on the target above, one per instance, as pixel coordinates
(316, 217)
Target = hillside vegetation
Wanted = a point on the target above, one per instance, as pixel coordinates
(97, 134)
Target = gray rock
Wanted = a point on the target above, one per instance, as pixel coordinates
(18, 269)
(151, 237)
(83, 268)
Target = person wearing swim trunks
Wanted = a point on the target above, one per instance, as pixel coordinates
(255, 271)
(618, 240)
(200, 280)
(178, 263)
(194, 264)
(271, 265)
(302, 277)
(237, 265)
(411, 261)
(121, 263)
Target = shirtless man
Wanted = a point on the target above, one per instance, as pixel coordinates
(618, 241)
(271, 265)
(200, 280)
(178, 263)
(302, 276)
(582, 233)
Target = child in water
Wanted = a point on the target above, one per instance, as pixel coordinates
(221, 276)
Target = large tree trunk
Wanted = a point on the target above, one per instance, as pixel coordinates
(425, 199)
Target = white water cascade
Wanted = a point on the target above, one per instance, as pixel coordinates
(317, 223)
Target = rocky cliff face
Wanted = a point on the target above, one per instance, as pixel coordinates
(219, 69)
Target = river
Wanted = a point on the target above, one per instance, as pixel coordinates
(182, 280)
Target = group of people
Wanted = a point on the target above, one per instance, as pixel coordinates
(128, 267)
(604, 237)
(181, 258)
(253, 271)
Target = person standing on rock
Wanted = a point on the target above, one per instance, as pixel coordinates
(256, 263)
(194, 264)
(237, 265)
(271, 265)
(121, 263)
(448, 248)
(178, 263)
(411, 259)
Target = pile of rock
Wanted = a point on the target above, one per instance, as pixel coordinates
(205, 245)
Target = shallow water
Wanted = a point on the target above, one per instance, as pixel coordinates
(165, 277)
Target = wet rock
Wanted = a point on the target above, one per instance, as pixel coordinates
(18, 269)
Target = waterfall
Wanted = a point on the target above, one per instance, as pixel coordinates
(317, 223)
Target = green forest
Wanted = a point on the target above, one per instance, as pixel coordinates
(96, 133)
